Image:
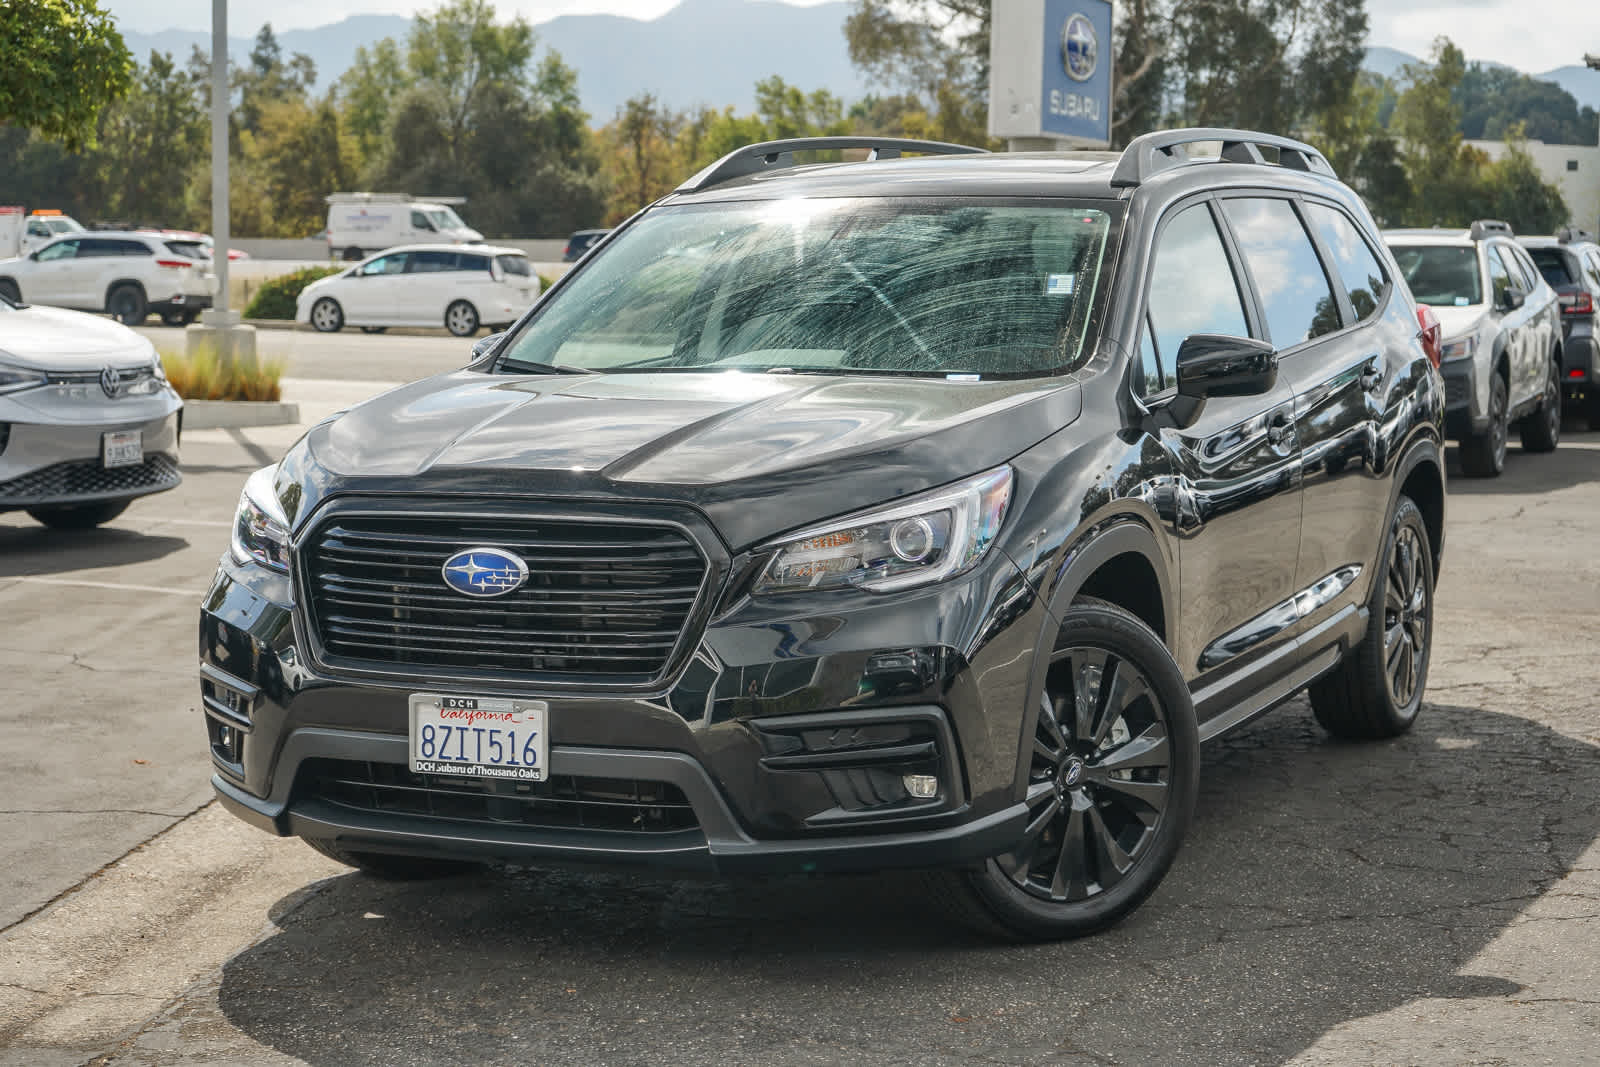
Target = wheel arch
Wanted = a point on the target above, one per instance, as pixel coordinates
(119, 283)
(1420, 476)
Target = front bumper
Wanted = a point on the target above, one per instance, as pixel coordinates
(1464, 413)
(46, 461)
(786, 737)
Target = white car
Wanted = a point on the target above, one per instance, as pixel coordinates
(46, 226)
(87, 419)
(128, 274)
(459, 288)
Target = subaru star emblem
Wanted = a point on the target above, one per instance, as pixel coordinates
(1080, 48)
(1073, 775)
(484, 572)
(110, 380)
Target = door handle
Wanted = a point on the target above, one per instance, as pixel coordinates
(1371, 377)
(1278, 429)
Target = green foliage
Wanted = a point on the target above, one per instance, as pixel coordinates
(276, 297)
(1494, 99)
(933, 56)
(61, 62)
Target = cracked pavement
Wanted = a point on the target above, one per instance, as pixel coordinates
(1431, 899)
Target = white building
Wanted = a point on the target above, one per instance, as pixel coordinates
(1575, 169)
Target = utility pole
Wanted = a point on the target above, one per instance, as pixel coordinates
(220, 328)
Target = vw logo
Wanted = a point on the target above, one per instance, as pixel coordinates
(484, 572)
(1080, 48)
(110, 381)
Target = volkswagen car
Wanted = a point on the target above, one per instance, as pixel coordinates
(841, 516)
(88, 422)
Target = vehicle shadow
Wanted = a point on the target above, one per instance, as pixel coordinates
(28, 548)
(1322, 882)
(1575, 462)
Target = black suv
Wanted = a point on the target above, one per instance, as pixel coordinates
(1570, 262)
(921, 512)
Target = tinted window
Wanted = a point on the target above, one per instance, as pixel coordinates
(472, 262)
(59, 250)
(871, 285)
(419, 221)
(1362, 274)
(1499, 275)
(188, 249)
(1592, 268)
(515, 265)
(1294, 291)
(99, 246)
(1192, 290)
(134, 248)
(430, 262)
(1523, 274)
(38, 229)
(1552, 264)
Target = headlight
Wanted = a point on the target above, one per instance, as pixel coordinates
(16, 379)
(1466, 346)
(260, 532)
(925, 539)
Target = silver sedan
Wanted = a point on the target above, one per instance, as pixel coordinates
(87, 419)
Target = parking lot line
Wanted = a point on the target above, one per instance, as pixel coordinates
(123, 586)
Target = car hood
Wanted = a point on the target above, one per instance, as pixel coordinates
(758, 453)
(1457, 322)
(57, 339)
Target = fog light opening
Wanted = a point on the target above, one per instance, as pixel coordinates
(921, 786)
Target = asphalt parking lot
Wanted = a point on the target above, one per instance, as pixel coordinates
(1435, 899)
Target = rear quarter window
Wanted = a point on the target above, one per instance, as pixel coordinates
(186, 249)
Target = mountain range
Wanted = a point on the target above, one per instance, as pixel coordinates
(709, 52)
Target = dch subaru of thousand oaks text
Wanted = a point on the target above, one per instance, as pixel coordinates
(912, 513)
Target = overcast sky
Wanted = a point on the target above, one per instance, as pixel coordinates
(1531, 35)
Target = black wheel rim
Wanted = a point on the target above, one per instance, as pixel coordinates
(1099, 783)
(1552, 404)
(1405, 618)
(1497, 422)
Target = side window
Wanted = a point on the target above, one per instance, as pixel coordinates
(1149, 377)
(395, 264)
(38, 229)
(1192, 290)
(470, 262)
(1363, 276)
(430, 262)
(133, 248)
(1522, 272)
(419, 221)
(1294, 291)
(1499, 276)
(59, 250)
(99, 247)
(1593, 269)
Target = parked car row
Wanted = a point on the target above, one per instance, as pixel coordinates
(459, 287)
(128, 274)
(1570, 262)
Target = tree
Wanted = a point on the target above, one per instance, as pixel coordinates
(61, 63)
(934, 57)
(457, 53)
(149, 142)
(640, 143)
(366, 92)
(1427, 121)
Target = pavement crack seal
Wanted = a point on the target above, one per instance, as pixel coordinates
(178, 820)
(93, 811)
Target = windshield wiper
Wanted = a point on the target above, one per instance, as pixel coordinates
(522, 366)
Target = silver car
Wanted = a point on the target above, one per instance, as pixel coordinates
(87, 419)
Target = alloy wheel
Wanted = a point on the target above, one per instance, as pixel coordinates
(1098, 785)
(1498, 430)
(1552, 403)
(1405, 617)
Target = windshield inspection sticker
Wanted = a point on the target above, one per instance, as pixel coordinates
(1059, 284)
(1462, 301)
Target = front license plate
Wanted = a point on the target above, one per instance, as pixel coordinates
(479, 737)
(122, 448)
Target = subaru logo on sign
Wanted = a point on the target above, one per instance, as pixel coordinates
(1080, 48)
(110, 380)
(484, 572)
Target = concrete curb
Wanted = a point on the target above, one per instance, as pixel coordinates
(236, 414)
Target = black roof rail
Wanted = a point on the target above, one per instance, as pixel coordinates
(776, 155)
(1489, 228)
(1153, 152)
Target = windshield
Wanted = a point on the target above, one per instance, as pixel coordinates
(865, 286)
(1441, 275)
(445, 219)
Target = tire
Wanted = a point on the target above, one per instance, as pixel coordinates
(9, 290)
(352, 254)
(1376, 690)
(1541, 430)
(1484, 455)
(461, 319)
(391, 867)
(79, 516)
(373, 329)
(127, 305)
(1128, 828)
(327, 316)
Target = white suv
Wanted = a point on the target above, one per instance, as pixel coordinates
(129, 275)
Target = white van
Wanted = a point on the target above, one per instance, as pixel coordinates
(362, 223)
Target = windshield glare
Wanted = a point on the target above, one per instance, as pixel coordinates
(838, 286)
(1441, 275)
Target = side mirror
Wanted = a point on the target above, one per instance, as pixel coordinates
(1512, 298)
(1212, 364)
(483, 346)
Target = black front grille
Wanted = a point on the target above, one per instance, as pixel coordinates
(602, 601)
(562, 801)
(1456, 391)
(87, 478)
